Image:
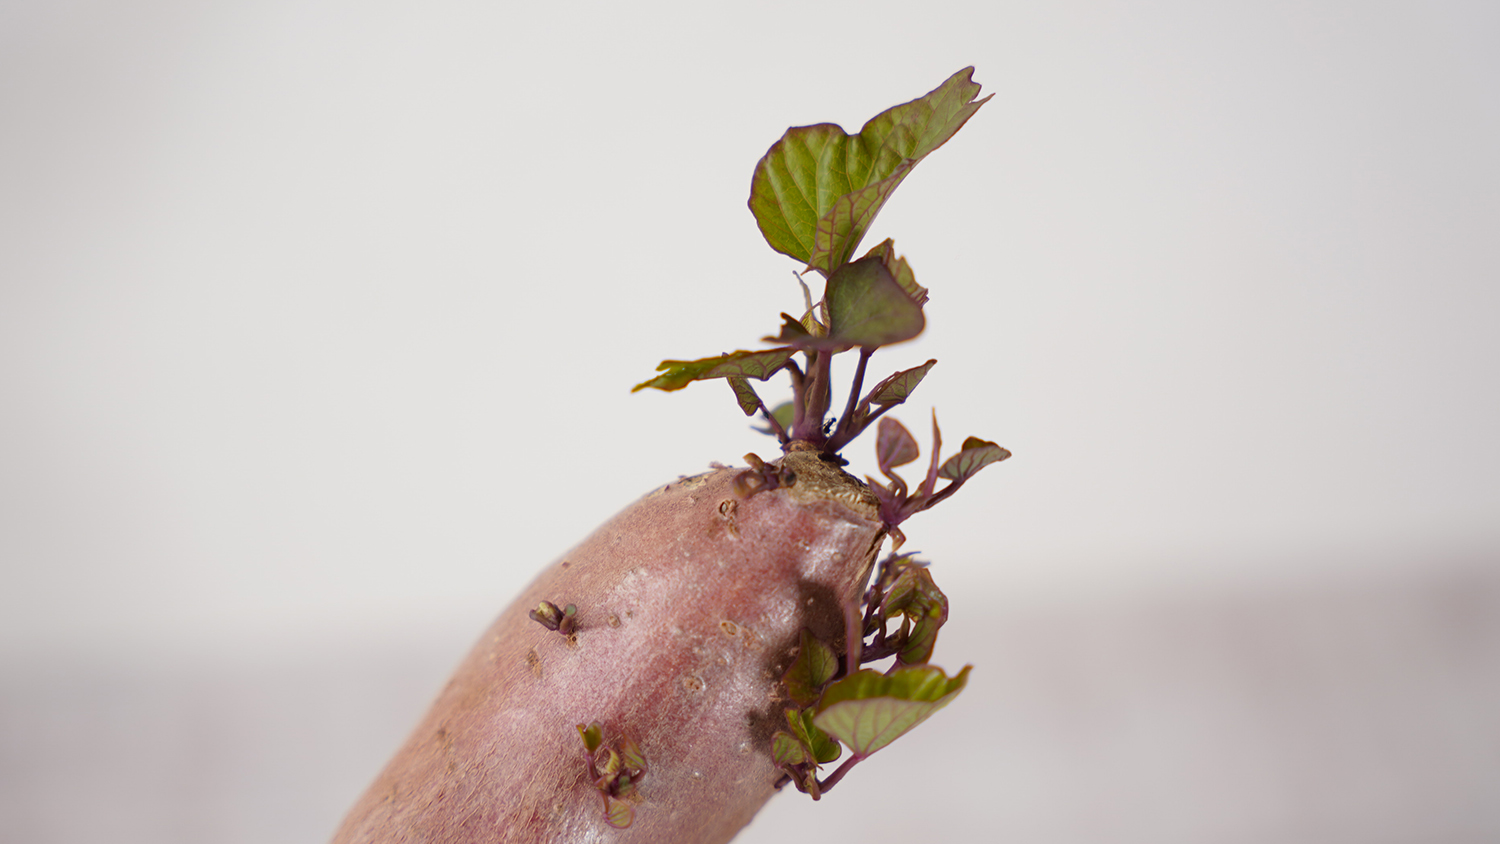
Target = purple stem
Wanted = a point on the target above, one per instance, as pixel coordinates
(775, 425)
(937, 452)
(809, 426)
(844, 433)
(833, 778)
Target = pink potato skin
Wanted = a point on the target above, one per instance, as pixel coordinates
(690, 603)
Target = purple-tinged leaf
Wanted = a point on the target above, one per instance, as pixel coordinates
(926, 621)
(899, 585)
(898, 388)
(816, 742)
(619, 813)
(866, 307)
(786, 749)
(793, 329)
(744, 394)
(839, 230)
(608, 762)
(680, 373)
(817, 190)
(975, 455)
(811, 670)
(888, 496)
(894, 445)
(631, 755)
(899, 269)
(868, 710)
(794, 184)
(907, 589)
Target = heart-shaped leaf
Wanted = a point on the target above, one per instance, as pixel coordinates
(868, 710)
(677, 374)
(866, 307)
(975, 455)
(894, 445)
(817, 190)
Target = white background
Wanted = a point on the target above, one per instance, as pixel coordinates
(317, 324)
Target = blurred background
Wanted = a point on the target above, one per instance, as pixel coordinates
(318, 319)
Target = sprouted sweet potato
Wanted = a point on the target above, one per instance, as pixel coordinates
(705, 647)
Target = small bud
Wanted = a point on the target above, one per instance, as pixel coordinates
(548, 615)
(592, 735)
(608, 762)
(564, 621)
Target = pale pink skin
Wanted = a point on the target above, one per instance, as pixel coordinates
(690, 603)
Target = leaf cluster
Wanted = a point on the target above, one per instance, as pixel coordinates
(895, 446)
(814, 195)
(865, 710)
(614, 771)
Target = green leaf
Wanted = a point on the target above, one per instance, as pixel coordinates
(816, 742)
(792, 329)
(900, 585)
(930, 616)
(744, 394)
(866, 307)
(608, 762)
(907, 588)
(817, 190)
(811, 671)
(868, 710)
(840, 230)
(898, 388)
(899, 269)
(631, 754)
(619, 813)
(787, 749)
(680, 373)
(784, 413)
(592, 735)
(975, 455)
(894, 445)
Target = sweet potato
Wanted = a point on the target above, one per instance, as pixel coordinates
(690, 604)
(705, 647)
